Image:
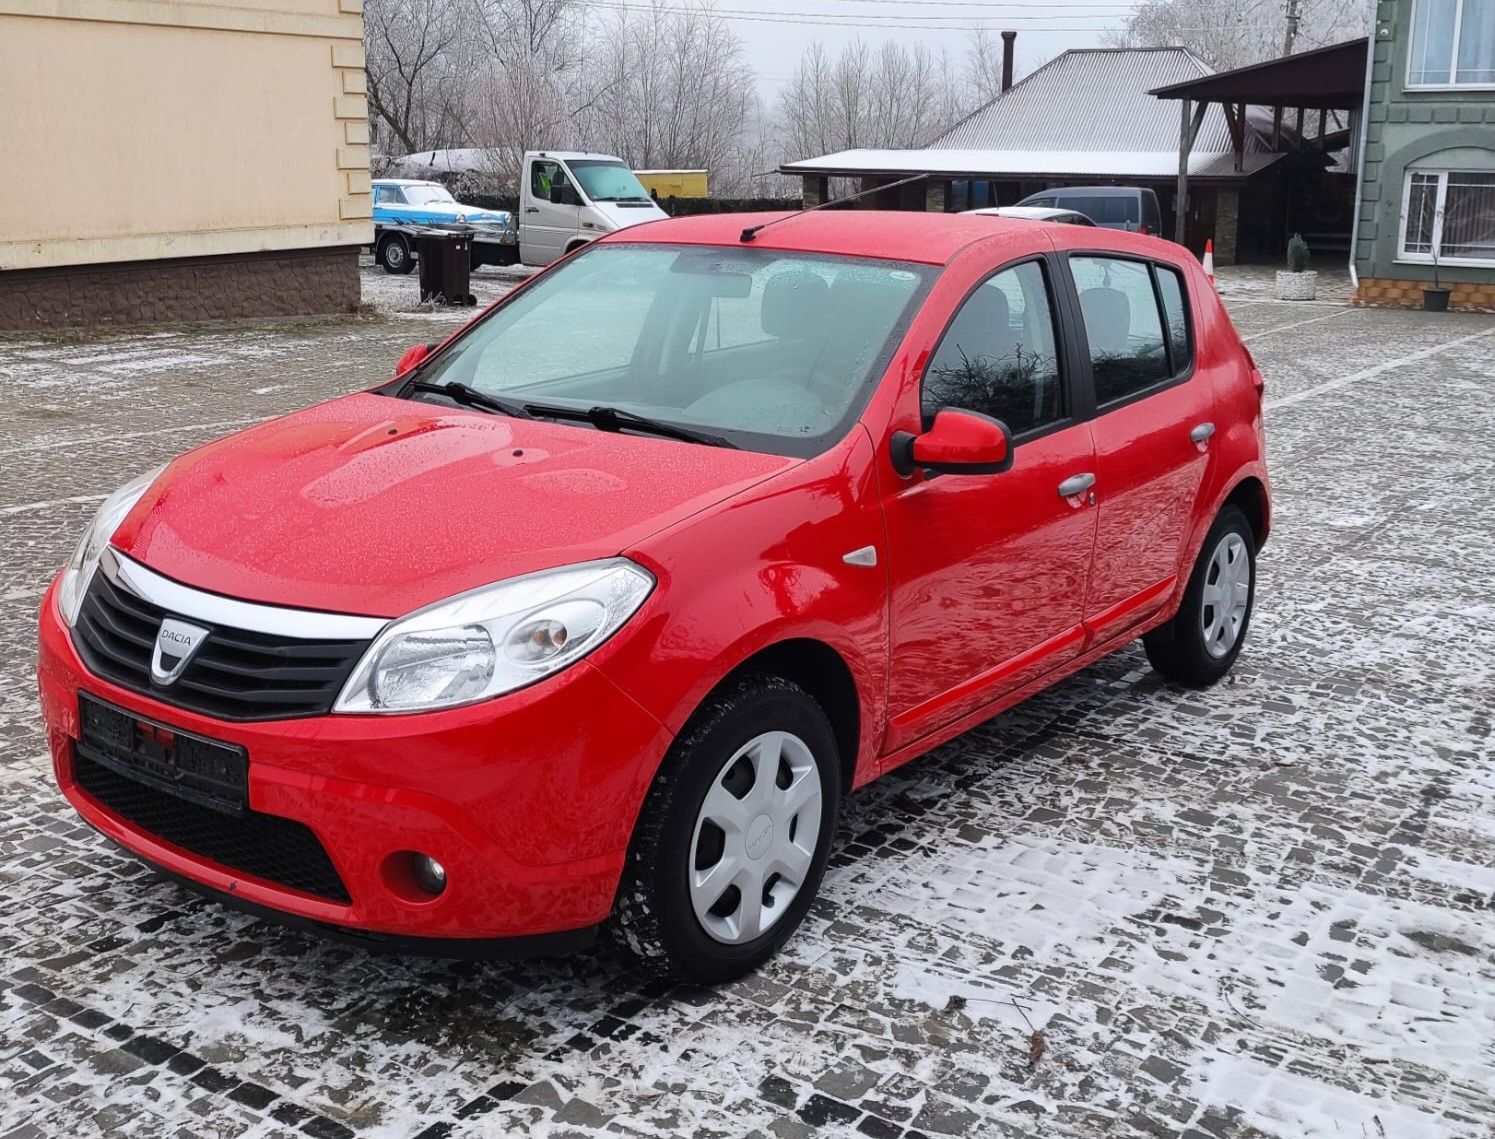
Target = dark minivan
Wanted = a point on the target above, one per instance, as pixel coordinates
(1130, 208)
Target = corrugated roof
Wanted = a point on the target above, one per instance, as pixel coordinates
(979, 163)
(1091, 99)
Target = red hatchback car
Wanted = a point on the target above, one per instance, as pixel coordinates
(595, 612)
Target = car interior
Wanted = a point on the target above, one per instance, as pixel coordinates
(767, 344)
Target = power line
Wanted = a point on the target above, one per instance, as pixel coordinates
(856, 20)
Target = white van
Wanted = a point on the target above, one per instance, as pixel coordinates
(567, 198)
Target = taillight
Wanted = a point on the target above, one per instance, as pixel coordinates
(1258, 381)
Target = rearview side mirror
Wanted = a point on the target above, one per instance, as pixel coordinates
(958, 442)
(414, 356)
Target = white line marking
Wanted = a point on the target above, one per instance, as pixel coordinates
(53, 444)
(1367, 373)
(7, 511)
(1298, 323)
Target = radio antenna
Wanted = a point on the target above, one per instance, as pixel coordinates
(752, 231)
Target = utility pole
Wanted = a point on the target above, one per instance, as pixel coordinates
(1292, 27)
(1287, 49)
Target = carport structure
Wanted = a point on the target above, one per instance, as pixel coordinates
(1326, 79)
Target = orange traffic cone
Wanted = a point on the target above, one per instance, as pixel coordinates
(1209, 259)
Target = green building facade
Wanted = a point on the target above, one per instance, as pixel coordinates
(1427, 192)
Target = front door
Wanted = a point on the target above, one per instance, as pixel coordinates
(1152, 428)
(988, 572)
(546, 226)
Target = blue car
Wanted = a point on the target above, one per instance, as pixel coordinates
(402, 205)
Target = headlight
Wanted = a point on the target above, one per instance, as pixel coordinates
(495, 639)
(85, 560)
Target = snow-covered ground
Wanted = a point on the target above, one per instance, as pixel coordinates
(1264, 909)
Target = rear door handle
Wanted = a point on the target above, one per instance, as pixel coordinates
(1201, 432)
(1076, 485)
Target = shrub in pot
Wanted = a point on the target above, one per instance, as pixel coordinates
(1297, 282)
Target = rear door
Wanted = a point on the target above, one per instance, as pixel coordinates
(988, 572)
(1154, 415)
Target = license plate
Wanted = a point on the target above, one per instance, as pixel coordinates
(203, 771)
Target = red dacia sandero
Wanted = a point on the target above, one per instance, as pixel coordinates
(593, 614)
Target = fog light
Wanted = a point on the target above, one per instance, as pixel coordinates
(429, 874)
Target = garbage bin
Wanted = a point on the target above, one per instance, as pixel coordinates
(445, 260)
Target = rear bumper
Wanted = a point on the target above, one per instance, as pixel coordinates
(528, 801)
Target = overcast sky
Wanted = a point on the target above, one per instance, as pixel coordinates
(775, 41)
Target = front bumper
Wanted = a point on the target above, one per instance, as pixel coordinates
(528, 800)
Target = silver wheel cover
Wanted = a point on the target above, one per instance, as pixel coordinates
(755, 837)
(1227, 595)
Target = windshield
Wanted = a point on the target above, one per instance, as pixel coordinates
(774, 351)
(1109, 210)
(608, 181)
(428, 195)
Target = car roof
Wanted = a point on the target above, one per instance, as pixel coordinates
(893, 235)
(567, 155)
(1093, 191)
(403, 182)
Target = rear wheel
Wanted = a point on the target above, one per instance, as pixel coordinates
(1200, 644)
(732, 842)
(394, 254)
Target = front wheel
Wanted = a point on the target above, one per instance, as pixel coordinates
(1200, 644)
(394, 254)
(733, 838)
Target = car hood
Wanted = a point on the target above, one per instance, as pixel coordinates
(379, 506)
(622, 215)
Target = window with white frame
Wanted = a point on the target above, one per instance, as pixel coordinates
(1453, 44)
(1449, 216)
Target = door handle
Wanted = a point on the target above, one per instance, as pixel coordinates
(1201, 433)
(531, 209)
(1076, 485)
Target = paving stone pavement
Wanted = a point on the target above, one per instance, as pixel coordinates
(1121, 909)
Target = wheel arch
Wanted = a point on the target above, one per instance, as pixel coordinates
(1250, 495)
(825, 675)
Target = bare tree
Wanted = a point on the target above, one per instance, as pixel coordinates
(890, 97)
(412, 49)
(679, 93)
(1229, 33)
(528, 78)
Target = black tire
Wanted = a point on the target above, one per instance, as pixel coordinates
(1178, 650)
(654, 920)
(394, 254)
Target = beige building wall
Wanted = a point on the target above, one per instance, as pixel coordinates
(133, 130)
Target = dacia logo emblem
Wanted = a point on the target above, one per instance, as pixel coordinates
(176, 644)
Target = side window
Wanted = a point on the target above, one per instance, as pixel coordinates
(387, 195)
(1123, 328)
(999, 356)
(1176, 314)
(542, 176)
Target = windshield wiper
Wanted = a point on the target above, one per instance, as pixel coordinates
(616, 419)
(469, 396)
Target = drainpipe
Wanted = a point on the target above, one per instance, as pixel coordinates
(1007, 41)
(1370, 59)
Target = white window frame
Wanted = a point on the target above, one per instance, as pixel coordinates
(1453, 59)
(1402, 254)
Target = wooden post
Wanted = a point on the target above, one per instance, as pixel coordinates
(1185, 144)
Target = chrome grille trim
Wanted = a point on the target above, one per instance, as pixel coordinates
(299, 624)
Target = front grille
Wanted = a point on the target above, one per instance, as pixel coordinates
(237, 674)
(277, 850)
